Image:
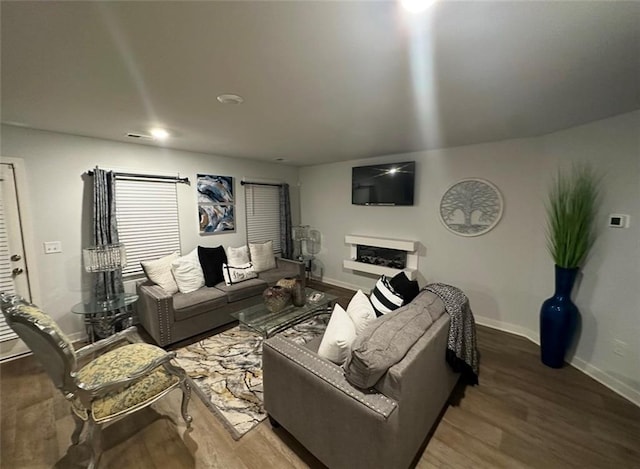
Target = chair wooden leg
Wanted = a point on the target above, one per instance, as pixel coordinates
(77, 431)
(95, 444)
(186, 395)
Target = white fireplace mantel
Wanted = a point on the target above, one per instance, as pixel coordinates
(411, 247)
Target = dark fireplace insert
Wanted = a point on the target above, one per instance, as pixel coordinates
(386, 257)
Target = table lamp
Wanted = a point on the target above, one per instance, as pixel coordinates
(104, 258)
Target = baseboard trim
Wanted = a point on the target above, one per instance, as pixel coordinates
(602, 377)
(341, 284)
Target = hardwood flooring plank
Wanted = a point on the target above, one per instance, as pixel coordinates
(522, 415)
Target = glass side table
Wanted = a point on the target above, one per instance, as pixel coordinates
(102, 317)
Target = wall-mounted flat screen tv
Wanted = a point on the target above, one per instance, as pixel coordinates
(383, 184)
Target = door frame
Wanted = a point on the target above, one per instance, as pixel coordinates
(15, 347)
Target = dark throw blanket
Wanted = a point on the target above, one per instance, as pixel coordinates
(462, 352)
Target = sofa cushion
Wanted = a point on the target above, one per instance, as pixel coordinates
(203, 300)
(360, 311)
(159, 272)
(187, 272)
(262, 256)
(271, 276)
(238, 273)
(406, 288)
(211, 260)
(238, 256)
(384, 298)
(338, 337)
(242, 290)
(386, 341)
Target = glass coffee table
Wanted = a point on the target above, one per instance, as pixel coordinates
(259, 319)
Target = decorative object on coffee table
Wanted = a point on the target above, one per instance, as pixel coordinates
(293, 284)
(471, 207)
(276, 298)
(571, 210)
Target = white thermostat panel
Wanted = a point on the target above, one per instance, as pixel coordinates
(618, 220)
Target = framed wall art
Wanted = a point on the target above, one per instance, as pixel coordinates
(471, 207)
(216, 204)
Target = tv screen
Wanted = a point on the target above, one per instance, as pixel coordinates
(383, 184)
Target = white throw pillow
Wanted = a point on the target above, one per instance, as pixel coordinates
(338, 337)
(188, 272)
(262, 256)
(237, 273)
(237, 256)
(360, 311)
(159, 272)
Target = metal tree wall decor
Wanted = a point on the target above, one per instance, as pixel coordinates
(471, 207)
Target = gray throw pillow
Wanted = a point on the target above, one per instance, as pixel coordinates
(386, 341)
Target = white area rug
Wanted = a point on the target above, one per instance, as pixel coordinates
(226, 372)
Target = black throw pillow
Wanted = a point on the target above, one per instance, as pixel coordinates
(211, 260)
(409, 289)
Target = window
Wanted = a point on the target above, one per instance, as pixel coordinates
(147, 218)
(263, 214)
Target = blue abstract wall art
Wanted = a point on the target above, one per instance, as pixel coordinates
(215, 204)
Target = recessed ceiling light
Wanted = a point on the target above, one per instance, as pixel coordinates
(416, 6)
(230, 99)
(159, 134)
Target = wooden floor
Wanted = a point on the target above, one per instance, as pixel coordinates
(523, 414)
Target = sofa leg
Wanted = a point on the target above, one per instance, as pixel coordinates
(274, 423)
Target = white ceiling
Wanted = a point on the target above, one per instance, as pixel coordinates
(322, 81)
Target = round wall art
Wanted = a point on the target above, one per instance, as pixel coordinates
(471, 207)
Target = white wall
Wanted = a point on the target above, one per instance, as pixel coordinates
(61, 202)
(507, 273)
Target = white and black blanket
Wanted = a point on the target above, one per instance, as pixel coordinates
(462, 351)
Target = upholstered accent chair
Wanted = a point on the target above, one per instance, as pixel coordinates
(115, 382)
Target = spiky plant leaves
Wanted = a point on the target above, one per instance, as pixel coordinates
(571, 208)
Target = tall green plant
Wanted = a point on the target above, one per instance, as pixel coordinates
(573, 201)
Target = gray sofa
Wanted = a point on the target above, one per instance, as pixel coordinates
(171, 318)
(382, 426)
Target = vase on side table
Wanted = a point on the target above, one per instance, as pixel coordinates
(558, 319)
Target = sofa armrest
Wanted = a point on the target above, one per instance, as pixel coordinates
(342, 426)
(155, 312)
(293, 268)
(330, 373)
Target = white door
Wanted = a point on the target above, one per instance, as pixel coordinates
(14, 277)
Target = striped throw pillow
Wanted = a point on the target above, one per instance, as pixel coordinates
(383, 297)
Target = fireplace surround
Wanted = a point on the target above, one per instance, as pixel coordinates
(382, 256)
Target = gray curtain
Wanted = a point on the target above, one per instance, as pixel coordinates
(105, 230)
(286, 243)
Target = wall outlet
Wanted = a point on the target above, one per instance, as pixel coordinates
(52, 247)
(619, 347)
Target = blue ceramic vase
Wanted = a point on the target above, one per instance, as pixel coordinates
(558, 319)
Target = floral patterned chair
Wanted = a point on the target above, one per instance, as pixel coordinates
(110, 386)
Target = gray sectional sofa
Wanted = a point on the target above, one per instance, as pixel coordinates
(402, 357)
(171, 318)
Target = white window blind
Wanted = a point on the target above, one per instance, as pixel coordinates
(263, 214)
(6, 278)
(147, 217)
